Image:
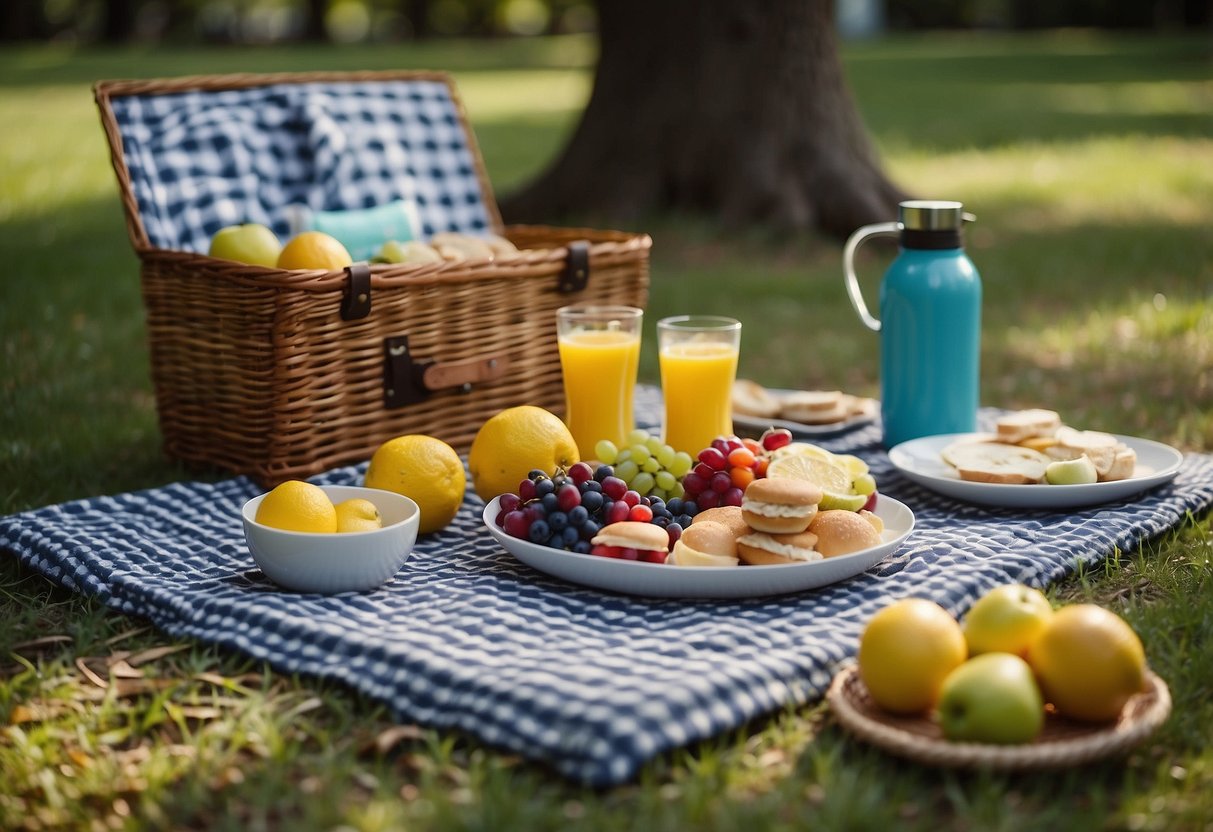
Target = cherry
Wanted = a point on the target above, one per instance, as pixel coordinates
(775, 438)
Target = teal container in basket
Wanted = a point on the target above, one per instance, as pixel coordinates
(929, 325)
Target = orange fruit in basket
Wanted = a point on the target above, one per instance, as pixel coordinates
(515, 441)
(297, 506)
(1089, 662)
(314, 250)
(425, 469)
(906, 651)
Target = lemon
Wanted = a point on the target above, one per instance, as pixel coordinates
(833, 480)
(314, 250)
(1088, 661)
(296, 506)
(425, 469)
(805, 448)
(906, 651)
(515, 441)
(357, 515)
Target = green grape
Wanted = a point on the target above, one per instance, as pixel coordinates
(660, 494)
(606, 451)
(627, 470)
(642, 482)
(677, 490)
(681, 465)
(638, 437)
(665, 455)
(622, 456)
(665, 480)
(651, 465)
(653, 444)
(640, 453)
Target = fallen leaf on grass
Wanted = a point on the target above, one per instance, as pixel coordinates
(389, 738)
(154, 653)
(125, 635)
(38, 645)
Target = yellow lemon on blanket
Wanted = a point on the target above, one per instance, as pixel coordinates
(1089, 662)
(314, 250)
(515, 441)
(425, 469)
(297, 506)
(357, 515)
(906, 651)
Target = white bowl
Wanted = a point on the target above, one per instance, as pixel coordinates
(346, 562)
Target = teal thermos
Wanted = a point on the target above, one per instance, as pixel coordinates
(929, 325)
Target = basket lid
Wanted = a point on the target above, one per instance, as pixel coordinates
(193, 155)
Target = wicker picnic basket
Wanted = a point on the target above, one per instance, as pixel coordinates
(283, 374)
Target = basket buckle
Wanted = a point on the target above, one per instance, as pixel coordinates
(576, 272)
(403, 378)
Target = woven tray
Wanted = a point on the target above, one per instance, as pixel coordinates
(1062, 742)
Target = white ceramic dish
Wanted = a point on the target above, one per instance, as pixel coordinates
(328, 563)
(920, 460)
(757, 423)
(658, 580)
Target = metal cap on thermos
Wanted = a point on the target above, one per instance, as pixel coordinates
(931, 223)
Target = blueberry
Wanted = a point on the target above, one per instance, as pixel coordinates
(690, 508)
(569, 537)
(558, 520)
(539, 532)
(591, 486)
(592, 501)
(685, 520)
(550, 502)
(578, 515)
(602, 472)
(674, 504)
(536, 474)
(589, 528)
(544, 487)
(583, 547)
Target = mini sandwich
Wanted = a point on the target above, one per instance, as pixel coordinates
(840, 532)
(731, 516)
(780, 506)
(752, 399)
(1024, 425)
(815, 407)
(762, 549)
(705, 544)
(630, 540)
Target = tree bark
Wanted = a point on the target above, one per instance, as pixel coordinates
(712, 106)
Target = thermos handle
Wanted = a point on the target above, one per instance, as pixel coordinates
(884, 229)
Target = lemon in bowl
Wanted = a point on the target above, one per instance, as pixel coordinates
(327, 561)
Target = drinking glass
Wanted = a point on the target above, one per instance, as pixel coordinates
(698, 356)
(599, 354)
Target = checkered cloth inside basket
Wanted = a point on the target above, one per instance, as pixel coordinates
(594, 684)
(201, 160)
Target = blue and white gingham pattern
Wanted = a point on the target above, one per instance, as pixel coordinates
(595, 684)
(202, 160)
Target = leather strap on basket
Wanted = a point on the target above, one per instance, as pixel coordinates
(407, 380)
(356, 302)
(576, 272)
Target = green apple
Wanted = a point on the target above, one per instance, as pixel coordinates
(1006, 620)
(992, 698)
(1079, 471)
(250, 243)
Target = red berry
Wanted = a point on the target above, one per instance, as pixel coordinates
(509, 502)
(721, 443)
(753, 446)
(641, 514)
(602, 551)
(870, 505)
(569, 497)
(654, 555)
(693, 484)
(632, 498)
(708, 499)
(712, 458)
(721, 482)
(775, 438)
(516, 524)
(704, 470)
(614, 487)
(500, 520)
(618, 512)
(581, 472)
(626, 553)
(526, 490)
(534, 511)
(732, 443)
(760, 466)
(674, 530)
(732, 497)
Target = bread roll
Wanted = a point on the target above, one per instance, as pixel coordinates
(840, 532)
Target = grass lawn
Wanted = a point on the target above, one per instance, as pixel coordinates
(1089, 162)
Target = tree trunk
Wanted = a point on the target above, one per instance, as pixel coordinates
(735, 109)
(314, 30)
(118, 21)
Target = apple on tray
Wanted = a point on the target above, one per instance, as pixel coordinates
(991, 698)
(1006, 619)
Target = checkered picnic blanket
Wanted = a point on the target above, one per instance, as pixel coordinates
(202, 160)
(592, 683)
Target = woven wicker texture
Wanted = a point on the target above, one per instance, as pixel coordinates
(256, 372)
(1061, 743)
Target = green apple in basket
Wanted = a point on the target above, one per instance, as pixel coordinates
(991, 698)
(250, 243)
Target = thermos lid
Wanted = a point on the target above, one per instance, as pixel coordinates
(931, 215)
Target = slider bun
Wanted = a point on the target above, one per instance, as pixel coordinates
(783, 491)
(730, 516)
(634, 535)
(705, 544)
(761, 549)
(840, 532)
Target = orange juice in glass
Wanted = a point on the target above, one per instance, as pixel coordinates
(599, 353)
(698, 356)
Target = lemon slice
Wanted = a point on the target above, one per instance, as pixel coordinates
(803, 449)
(833, 479)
